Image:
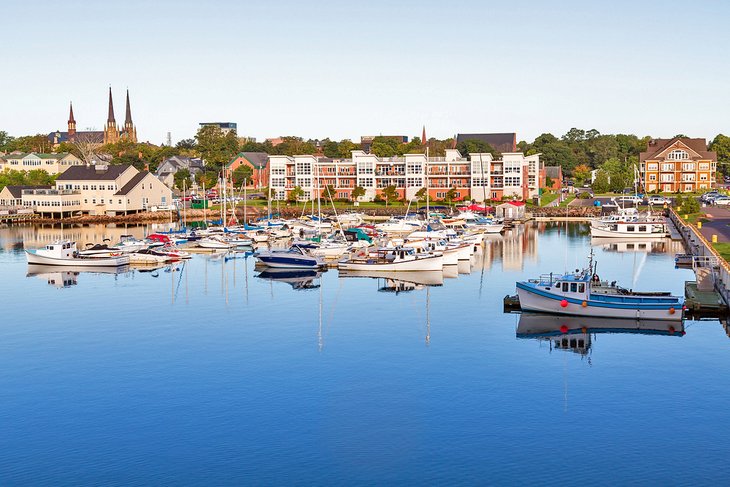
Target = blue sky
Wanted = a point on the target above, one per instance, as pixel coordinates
(340, 69)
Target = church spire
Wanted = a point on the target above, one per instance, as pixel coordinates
(128, 117)
(71, 120)
(111, 133)
(423, 136)
(110, 117)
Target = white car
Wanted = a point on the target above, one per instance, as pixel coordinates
(722, 200)
(659, 200)
(630, 199)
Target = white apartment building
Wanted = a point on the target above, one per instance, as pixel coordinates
(478, 176)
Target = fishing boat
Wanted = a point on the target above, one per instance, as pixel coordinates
(294, 257)
(630, 225)
(583, 293)
(65, 253)
(398, 259)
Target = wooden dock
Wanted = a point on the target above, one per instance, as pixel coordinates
(673, 230)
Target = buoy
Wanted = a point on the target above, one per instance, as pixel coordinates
(584, 329)
(671, 311)
(564, 303)
(564, 328)
(584, 303)
(671, 330)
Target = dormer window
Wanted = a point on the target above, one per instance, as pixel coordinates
(678, 155)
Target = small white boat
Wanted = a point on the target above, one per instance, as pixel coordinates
(213, 243)
(147, 257)
(64, 252)
(400, 259)
(330, 250)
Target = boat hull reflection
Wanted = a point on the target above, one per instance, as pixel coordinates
(539, 324)
(67, 276)
(296, 278)
(422, 278)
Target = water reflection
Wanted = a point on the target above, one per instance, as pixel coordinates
(299, 279)
(399, 281)
(67, 276)
(646, 245)
(574, 334)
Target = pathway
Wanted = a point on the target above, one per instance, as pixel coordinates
(718, 223)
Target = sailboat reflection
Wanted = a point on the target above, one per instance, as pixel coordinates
(67, 276)
(573, 333)
(397, 282)
(298, 278)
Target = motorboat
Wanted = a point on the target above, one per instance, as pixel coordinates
(147, 257)
(213, 243)
(330, 250)
(64, 252)
(399, 259)
(294, 257)
(583, 293)
(641, 228)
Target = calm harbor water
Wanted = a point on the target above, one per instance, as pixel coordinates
(208, 373)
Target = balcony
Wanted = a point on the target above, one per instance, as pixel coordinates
(51, 192)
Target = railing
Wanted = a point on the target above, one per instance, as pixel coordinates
(50, 192)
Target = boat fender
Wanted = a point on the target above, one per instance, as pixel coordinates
(584, 304)
(671, 311)
(671, 330)
(563, 329)
(584, 329)
(564, 303)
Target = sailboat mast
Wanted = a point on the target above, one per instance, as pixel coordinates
(428, 200)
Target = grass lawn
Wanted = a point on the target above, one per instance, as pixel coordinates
(723, 249)
(570, 198)
(548, 198)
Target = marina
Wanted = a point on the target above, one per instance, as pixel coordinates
(387, 348)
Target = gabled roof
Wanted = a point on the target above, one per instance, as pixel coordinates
(657, 146)
(132, 183)
(504, 142)
(513, 203)
(257, 159)
(17, 191)
(90, 173)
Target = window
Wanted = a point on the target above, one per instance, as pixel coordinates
(703, 177)
(688, 166)
(573, 287)
(652, 166)
(667, 167)
(667, 177)
(565, 287)
(581, 287)
(704, 166)
(642, 228)
(652, 177)
(677, 155)
(630, 228)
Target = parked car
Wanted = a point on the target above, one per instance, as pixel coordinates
(630, 199)
(659, 200)
(709, 196)
(721, 201)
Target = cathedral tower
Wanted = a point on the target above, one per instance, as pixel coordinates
(129, 131)
(111, 133)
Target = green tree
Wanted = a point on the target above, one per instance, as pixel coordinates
(476, 146)
(602, 183)
(621, 173)
(421, 194)
(390, 193)
(242, 175)
(186, 144)
(357, 192)
(296, 193)
(549, 182)
(721, 145)
(182, 178)
(450, 195)
(329, 191)
(581, 173)
(216, 148)
(554, 152)
(345, 148)
(383, 149)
